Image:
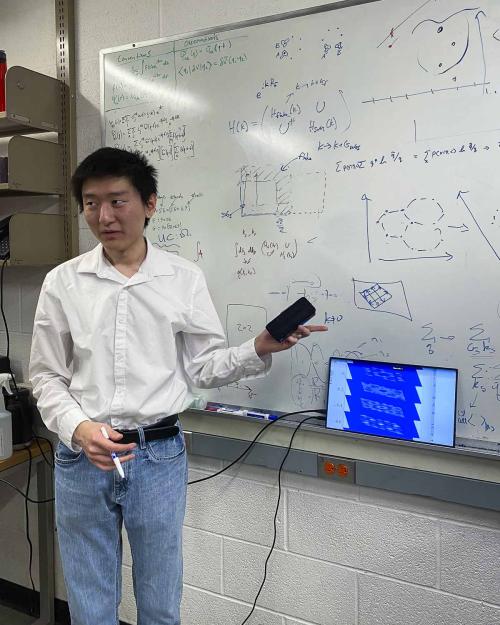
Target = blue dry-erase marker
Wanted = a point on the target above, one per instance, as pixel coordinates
(259, 415)
(114, 457)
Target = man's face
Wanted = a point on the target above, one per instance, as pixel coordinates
(115, 212)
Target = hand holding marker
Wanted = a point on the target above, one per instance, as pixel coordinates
(114, 457)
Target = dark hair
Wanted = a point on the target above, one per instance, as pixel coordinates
(118, 164)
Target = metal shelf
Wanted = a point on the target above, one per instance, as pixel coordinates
(10, 126)
(8, 191)
(33, 103)
(36, 239)
(35, 167)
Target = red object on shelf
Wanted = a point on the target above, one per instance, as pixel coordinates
(3, 71)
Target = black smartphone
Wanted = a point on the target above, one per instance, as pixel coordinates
(287, 321)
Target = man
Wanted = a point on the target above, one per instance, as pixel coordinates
(121, 334)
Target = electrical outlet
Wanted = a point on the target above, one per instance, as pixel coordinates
(338, 469)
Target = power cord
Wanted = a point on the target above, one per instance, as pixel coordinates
(275, 518)
(259, 434)
(27, 518)
(47, 461)
(26, 496)
(6, 327)
(37, 501)
(47, 440)
(275, 531)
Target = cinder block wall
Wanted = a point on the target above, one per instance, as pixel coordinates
(344, 555)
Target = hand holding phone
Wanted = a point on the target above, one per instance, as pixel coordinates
(287, 321)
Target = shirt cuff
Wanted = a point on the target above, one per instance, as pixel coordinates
(67, 427)
(254, 365)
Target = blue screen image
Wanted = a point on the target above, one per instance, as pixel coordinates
(407, 402)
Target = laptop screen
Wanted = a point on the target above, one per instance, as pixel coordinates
(407, 402)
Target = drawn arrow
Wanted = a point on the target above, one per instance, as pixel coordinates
(366, 199)
(482, 46)
(462, 228)
(285, 167)
(345, 104)
(448, 256)
(304, 156)
(460, 196)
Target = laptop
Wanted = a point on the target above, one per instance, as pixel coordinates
(398, 401)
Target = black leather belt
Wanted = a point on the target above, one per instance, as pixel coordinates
(162, 429)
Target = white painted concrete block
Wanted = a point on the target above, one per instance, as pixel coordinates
(384, 602)
(470, 562)
(233, 507)
(202, 559)
(203, 608)
(296, 586)
(364, 537)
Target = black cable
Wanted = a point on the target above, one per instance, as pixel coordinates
(24, 495)
(27, 518)
(261, 431)
(246, 450)
(6, 326)
(37, 437)
(275, 530)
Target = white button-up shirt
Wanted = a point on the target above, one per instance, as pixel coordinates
(125, 351)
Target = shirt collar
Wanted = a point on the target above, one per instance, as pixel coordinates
(156, 263)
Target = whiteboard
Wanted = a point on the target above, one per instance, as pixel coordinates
(351, 155)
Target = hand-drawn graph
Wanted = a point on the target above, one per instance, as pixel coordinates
(453, 35)
(414, 231)
(309, 375)
(416, 225)
(421, 229)
(383, 297)
(267, 191)
(449, 49)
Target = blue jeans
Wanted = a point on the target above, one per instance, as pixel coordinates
(91, 506)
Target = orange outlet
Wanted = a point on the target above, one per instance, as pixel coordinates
(339, 469)
(329, 467)
(343, 470)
